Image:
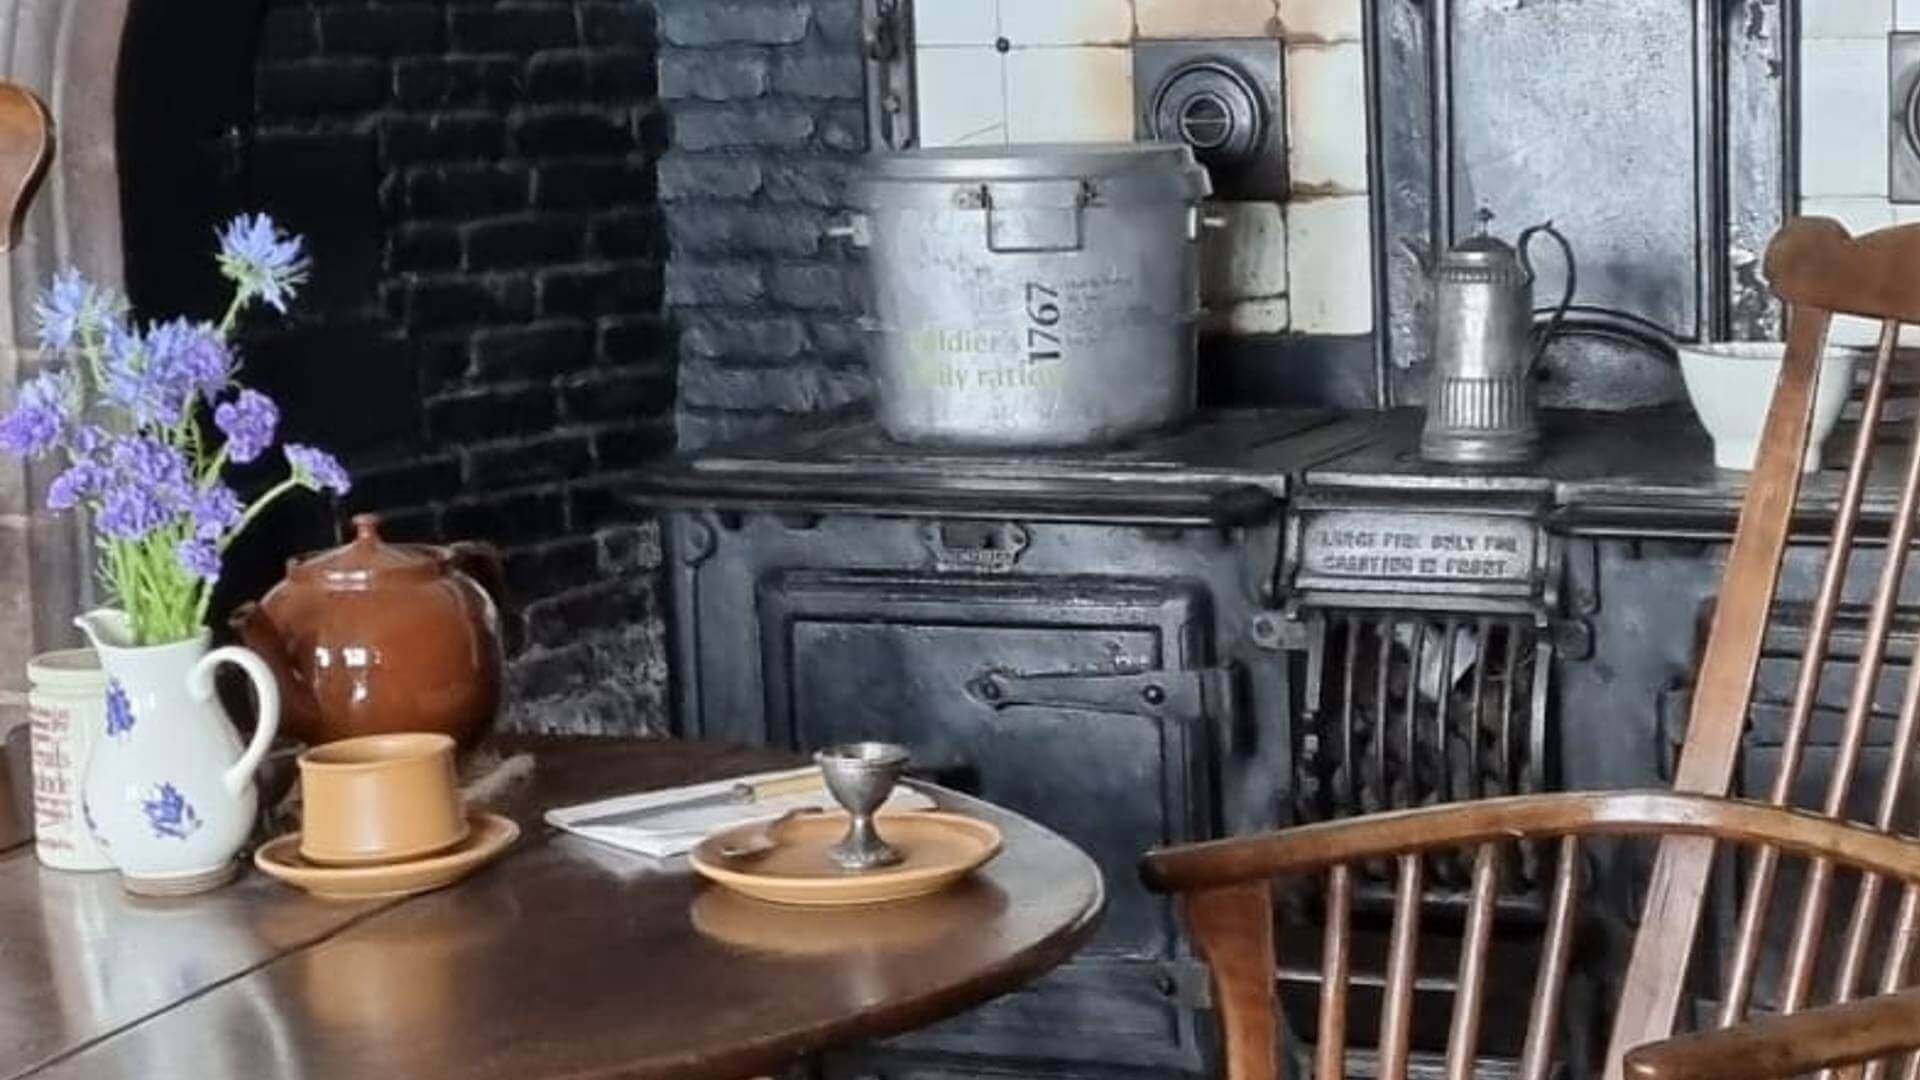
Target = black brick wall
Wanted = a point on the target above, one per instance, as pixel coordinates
(496, 333)
(768, 117)
(484, 339)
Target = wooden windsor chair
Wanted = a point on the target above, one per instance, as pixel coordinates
(1228, 885)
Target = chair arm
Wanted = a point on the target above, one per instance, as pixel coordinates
(1779, 1046)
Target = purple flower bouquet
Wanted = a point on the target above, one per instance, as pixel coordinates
(126, 405)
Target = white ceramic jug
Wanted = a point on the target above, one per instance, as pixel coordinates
(169, 790)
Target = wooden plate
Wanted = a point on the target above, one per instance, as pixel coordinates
(939, 849)
(490, 835)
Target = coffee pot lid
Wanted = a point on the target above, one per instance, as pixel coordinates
(1483, 255)
(366, 558)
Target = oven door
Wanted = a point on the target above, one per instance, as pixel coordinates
(1023, 692)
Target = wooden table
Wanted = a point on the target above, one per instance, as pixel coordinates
(565, 959)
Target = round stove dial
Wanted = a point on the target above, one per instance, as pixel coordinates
(1209, 105)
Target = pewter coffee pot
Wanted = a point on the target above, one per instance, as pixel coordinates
(1480, 399)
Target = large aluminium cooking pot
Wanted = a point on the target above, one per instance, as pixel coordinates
(1032, 296)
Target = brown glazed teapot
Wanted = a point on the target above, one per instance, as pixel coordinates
(375, 637)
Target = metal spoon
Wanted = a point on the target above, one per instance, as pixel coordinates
(760, 841)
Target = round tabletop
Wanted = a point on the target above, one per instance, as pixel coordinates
(573, 959)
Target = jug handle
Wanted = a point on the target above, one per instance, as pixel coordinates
(200, 687)
(1526, 263)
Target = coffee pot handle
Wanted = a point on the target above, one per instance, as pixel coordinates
(266, 691)
(1566, 301)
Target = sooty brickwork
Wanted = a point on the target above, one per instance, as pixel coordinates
(479, 180)
(768, 117)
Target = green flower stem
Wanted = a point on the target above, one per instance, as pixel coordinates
(240, 298)
(259, 507)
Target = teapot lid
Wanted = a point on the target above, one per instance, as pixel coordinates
(368, 558)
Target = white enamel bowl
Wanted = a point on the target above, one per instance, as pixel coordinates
(1731, 385)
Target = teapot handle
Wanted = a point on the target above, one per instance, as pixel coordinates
(200, 688)
(1526, 263)
(482, 562)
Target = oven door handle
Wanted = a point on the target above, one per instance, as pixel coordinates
(1187, 696)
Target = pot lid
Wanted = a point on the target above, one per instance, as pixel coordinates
(1034, 161)
(368, 558)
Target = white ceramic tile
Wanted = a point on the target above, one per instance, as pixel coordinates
(1845, 18)
(962, 95)
(1330, 265)
(1246, 258)
(1327, 117)
(1071, 94)
(956, 22)
(1066, 22)
(1859, 216)
(1269, 316)
(1906, 213)
(1843, 117)
(1322, 20)
(1906, 14)
(1200, 18)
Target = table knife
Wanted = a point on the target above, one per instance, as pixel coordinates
(742, 793)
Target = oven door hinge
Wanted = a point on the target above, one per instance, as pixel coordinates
(1186, 983)
(1189, 696)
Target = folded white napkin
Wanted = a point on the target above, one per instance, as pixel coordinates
(669, 829)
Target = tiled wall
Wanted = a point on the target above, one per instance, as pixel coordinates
(1020, 71)
(1843, 119)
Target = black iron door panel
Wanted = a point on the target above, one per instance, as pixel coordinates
(961, 670)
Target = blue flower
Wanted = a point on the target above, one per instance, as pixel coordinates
(249, 422)
(130, 512)
(190, 356)
(169, 813)
(82, 480)
(145, 460)
(214, 511)
(262, 261)
(157, 375)
(40, 417)
(316, 469)
(73, 309)
(119, 710)
(201, 558)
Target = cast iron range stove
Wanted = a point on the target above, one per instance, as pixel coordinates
(1263, 618)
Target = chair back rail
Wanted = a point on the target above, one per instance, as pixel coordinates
(1819, 271)
(1228, 888)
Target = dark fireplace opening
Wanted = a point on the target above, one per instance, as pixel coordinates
(482, 341)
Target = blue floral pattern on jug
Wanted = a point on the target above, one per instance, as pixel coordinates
(169, 813)
(119, 710)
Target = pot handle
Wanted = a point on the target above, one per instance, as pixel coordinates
(266, 691)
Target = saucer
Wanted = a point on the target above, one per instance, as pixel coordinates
(937, 849)
(490, 835)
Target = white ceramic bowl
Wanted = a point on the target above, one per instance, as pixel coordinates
(1731, 385)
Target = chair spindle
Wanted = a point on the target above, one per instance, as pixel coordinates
(1396, 1016)
(1336, 961)
(1543, 1019)
(1463, 1035)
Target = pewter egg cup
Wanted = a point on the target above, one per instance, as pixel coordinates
(860, 776)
